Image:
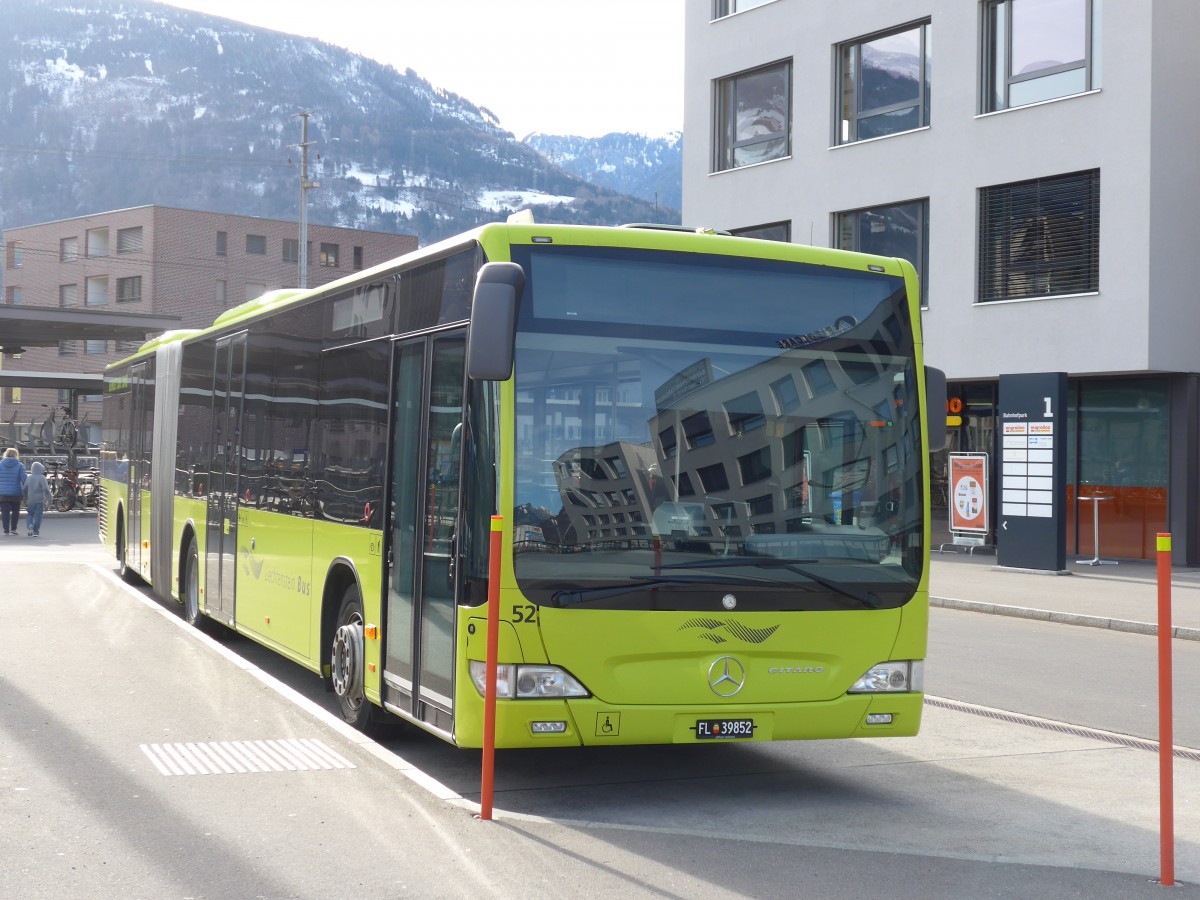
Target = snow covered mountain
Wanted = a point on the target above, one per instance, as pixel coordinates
(650, 168)
(114, 103)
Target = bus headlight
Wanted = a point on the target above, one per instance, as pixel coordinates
(527, 682)
(891, 678)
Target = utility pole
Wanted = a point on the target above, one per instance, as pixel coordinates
(305, 187)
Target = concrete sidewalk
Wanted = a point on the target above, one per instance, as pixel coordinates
(1122, 597)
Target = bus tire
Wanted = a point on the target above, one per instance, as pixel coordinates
(347, 664)
(127, 574)
(190, 594)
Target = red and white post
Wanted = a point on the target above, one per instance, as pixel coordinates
(1166, 738)
(489, 691)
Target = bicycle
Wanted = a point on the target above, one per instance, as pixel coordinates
(87, 488)
(64, 489)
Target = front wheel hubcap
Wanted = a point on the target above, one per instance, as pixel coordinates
(347, 663)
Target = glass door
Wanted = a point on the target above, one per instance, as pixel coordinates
(221, 545)
(425, 504)
(139, 469)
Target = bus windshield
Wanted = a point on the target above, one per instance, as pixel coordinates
(705, 432)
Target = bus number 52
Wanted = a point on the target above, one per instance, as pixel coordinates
(526, 613)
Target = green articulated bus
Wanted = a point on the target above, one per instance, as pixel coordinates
(710, 454)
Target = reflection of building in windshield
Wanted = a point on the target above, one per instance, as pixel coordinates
(809, 442)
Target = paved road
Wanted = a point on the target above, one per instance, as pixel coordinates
(1099, 678)
(107, 684)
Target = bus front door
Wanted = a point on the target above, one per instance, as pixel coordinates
(424, 493)
(220, 554)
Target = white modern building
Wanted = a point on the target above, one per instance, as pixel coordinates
(1035, 159)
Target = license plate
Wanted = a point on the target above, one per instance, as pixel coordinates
(724, 729)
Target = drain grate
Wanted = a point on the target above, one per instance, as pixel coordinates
(243, 757)
(1121, 740)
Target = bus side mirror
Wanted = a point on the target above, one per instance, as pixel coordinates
(491, 340)
(935, 408)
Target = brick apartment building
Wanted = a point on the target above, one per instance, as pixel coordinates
(170, 262)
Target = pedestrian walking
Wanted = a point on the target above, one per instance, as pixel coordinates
(12, 484)
(37, 495)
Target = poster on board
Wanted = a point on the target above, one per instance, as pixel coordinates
(968, 478)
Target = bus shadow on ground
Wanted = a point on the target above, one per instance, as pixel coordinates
(967, 788)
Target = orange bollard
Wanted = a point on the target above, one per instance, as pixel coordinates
(489, 691)
(1166, 742)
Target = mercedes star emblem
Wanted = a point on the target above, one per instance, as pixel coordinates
(726, 676)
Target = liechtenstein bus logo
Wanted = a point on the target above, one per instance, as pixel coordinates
(710, 630)
(251, 563)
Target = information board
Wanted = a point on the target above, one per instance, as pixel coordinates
(1031, 524)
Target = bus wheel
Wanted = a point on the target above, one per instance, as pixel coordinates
(127, 574)
(191, 585)
(347, 664)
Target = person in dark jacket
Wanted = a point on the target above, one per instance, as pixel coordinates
(12, 484)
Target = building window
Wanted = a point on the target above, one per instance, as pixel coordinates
(256, 245)
(329, 255)
(67, 348)
(12, 296)
(291, 250)
(64, 396)
(222, 242)
(817, 378)
(753, 117)
(16, 395)
(68, 295)
(1040, 238)
(1036, 51)
(358, 259)
(95, 348)
(254, 290)
(126, 346)
(776, 231)
(220, 293)
(785, 393)
(129, 289)
(723, 8)
(97, 242)
(129, 240)
(745, 413)
(68, 249)
(97, 291)
(16, 255)
(899, 230)
(883, 84)
(698, 430)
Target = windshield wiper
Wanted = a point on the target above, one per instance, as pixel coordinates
(866, 598)
(574, 596)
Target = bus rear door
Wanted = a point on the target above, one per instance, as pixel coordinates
(229, 374)
(139, 468)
